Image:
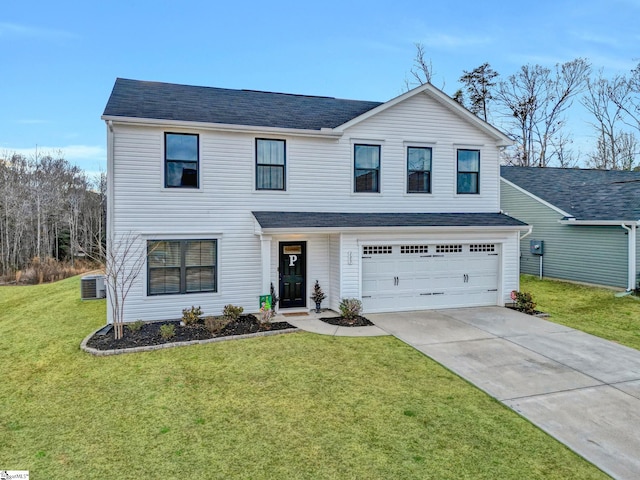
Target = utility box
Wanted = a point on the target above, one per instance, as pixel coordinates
(537, 247)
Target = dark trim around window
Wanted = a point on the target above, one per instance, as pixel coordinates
(181, 162)
(177, 267)
(269, 175)
(366, 178)
(419, 172)
(468, 176)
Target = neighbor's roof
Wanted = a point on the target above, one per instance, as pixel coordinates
(584, 194)
(167, 101)
(297, 220)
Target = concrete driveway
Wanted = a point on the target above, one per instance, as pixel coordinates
(581, 389)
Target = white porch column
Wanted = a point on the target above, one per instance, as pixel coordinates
(265, 253)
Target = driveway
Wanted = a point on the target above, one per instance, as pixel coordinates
(581, 389)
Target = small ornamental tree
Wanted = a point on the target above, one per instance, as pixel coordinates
(318, 295)
(125, 257)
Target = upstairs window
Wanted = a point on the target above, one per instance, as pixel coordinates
(181, 159)
(468, 171)
(270, 164)
(367, 168)
(419, 170)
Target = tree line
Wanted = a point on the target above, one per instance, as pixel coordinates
(532, 106)
(49, 209)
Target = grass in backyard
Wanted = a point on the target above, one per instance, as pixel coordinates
(289, 406)
(593, 310)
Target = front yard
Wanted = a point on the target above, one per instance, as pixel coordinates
(297, 405)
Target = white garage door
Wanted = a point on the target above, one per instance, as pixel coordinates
(417, 277)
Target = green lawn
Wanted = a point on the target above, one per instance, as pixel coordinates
(593, 310)
(289, 406)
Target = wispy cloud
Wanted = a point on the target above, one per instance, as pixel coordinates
(17, 30)
(595, 38)
(31, 121)
(444, 40)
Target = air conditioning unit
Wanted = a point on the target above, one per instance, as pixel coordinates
(92, 287)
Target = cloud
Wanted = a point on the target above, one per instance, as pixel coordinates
(443, 40)
(26, 31)
(87, 157)
(31, 121)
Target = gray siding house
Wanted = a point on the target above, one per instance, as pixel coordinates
(587, 219)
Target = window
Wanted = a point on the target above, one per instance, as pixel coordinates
(377, 249)
(270, 164)
(419, 170)
(468, 171)
(181, 160)
(367, 168)
(181, 266)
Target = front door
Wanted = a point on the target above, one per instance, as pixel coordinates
(293, 273)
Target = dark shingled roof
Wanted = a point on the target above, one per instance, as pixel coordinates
(167, 101)
(584, 194)
(364, 220)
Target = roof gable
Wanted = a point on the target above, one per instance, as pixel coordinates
(167, 101)
(442, 98)
(597, 195)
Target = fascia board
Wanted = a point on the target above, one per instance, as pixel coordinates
(537, 199)
(602, 223)
(146, 122)
(290, 230)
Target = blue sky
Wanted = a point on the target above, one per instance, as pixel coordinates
(59, 59)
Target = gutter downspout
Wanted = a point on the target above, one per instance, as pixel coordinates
(631, 284)
(110, 203)
(528, 233)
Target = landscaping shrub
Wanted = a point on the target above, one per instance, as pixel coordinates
(232, 312)
(191, 316)
(135, 326)
(523, 302)
(168, 331)
(215, 324)
(350, 308)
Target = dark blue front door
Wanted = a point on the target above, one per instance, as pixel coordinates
(293, 259)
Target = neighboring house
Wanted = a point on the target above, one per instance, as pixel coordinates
(395, 203)
(587, 219)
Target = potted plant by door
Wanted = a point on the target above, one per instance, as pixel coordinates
(317, 296)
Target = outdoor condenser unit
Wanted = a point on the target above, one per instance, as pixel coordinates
(92, 287)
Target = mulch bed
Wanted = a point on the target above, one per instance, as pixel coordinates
(342, 322)
(149, 334)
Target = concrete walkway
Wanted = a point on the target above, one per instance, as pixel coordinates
(581, 389)
(311, 323)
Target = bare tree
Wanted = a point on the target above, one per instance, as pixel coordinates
(617, 153)
(422, 70)
(607, 101)
(534, 101)
(479, 84)
(47, 207)
(125, 257)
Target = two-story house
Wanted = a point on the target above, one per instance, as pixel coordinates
(394, 203)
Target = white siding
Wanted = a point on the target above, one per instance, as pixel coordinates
(334, 272)
(319, 175)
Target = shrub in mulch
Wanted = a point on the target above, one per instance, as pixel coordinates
(150, 333)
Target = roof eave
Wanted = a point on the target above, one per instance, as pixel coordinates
(145, 122)
(431, 229)
(536, 198)
(603, 223)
